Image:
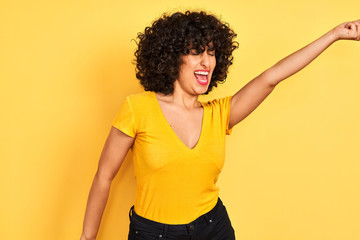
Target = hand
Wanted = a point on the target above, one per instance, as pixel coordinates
(347, 31)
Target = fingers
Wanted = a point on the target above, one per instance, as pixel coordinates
(348, 30)
(353, 26)
(357, 23)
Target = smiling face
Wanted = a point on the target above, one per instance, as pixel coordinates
(195, 71)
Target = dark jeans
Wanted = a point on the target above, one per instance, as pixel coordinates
(213, 225)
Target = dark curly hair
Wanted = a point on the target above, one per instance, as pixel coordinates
(161, 45)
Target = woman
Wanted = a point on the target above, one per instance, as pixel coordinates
(178, 143)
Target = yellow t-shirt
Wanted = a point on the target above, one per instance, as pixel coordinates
(174, 184)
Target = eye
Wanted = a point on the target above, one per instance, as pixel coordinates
(194, 52)
(211, 53)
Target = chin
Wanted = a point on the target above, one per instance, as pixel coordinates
(202, 90)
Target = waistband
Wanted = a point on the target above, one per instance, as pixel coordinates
(161, 227)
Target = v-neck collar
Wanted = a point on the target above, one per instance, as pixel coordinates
(172, 131)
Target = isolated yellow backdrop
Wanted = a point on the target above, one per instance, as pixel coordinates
(293, 166)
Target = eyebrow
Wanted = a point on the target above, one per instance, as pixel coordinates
(210, 48)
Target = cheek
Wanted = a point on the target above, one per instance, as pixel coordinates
(213, 66)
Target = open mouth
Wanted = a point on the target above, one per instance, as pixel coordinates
(202, 77)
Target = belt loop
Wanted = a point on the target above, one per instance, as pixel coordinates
(188, 228)
(220, 202)
(164, 234)
(207, 219)
(130, 213)
(165, 230)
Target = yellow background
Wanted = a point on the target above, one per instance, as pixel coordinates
(293, 166)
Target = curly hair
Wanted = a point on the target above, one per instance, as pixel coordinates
(161, 45)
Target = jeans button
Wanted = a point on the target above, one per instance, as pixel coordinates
(192, 227)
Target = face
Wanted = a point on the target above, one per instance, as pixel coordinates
(195, 71)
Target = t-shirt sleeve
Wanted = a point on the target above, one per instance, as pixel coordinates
(124, 119)
(225, 113)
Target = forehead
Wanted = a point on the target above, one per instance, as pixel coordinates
(203, 44)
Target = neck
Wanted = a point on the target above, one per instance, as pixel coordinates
(181, 98)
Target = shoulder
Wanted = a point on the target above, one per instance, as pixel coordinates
(140, 98)
(141, 103)
(217, 102)
(140, 95)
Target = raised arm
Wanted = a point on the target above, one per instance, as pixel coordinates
(113, 154)
(253, 93)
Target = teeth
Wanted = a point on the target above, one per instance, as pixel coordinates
(202, 73)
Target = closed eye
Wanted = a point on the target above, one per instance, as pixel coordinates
(211, 52)
(194, 52)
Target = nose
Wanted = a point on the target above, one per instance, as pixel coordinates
(205, 59)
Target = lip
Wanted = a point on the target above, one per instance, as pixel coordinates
(202, 70)
(203, 83)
